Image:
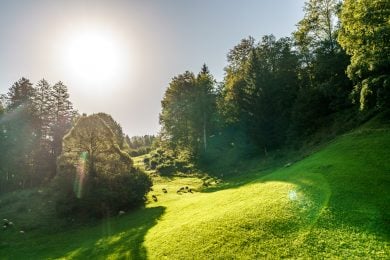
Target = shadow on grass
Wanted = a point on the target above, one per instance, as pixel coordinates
(120, 237)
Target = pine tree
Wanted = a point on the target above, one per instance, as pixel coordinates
(205, 104)
(43, 105)
(22, 134)
(63, 115)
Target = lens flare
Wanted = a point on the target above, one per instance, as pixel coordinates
(292, 195)
(81, 171)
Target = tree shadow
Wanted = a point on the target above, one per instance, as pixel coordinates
(120, 237)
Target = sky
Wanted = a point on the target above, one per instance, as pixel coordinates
(118, 56)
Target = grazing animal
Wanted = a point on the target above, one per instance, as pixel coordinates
(182, 188)
(154, 197)
(7, 223)
(186, 187)
(190, 190)
(21, 232)
(121, 212)
(164, 190)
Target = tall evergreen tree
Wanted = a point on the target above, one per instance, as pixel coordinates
(63, 114)
(43, 105)
(20, 94)
(234, 82)
(21, 133)
(263, 90)
(271, 85)
(205, 105)
(187, 111)
(43, 152)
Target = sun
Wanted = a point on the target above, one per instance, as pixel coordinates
(93, 57)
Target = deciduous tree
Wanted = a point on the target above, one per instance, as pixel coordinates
(365, 35)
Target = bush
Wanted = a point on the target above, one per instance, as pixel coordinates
(101, 196)
(139, 151)
(153, 164)
(166, 169)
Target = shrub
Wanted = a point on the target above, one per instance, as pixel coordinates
(166, 169)
(100, 196)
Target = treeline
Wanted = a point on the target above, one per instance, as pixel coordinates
(33, 121)
(275, 92)
(139, 145)
(278, 92)
(83, 161)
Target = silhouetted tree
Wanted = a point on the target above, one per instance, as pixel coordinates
(106, 181)
(63, 114)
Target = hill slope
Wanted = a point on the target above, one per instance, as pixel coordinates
(335, 202)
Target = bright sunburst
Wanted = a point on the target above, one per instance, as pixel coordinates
(93, 57)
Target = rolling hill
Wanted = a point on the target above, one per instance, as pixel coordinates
(333, 203)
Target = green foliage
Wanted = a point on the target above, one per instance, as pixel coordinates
(264, 89)
(365, 35)
(32, 127)
(188, 107)
(96, 177)
(323, 86)
(167, 163)
(299, 211)
(102, 196)
(136, 142)
(317, 27)
(308, 113)
(176, 111)
(19, 136)
(139, 151)
(139, 145)
(115, 128)
(232, 90)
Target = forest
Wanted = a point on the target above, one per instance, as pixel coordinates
(279, 96)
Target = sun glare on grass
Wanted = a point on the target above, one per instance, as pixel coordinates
(94, 57)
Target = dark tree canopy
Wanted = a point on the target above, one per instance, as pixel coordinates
(187, 111)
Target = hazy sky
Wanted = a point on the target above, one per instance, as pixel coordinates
(145, 43)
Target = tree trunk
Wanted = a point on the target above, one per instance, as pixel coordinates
(204, 133)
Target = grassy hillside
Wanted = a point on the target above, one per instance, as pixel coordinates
(333, 203)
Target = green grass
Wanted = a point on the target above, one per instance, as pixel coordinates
(334, 203)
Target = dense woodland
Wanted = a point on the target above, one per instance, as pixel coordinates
(276, 94)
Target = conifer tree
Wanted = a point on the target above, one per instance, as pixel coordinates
(63, 114)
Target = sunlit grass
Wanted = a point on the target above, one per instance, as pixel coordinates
(334, 203)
